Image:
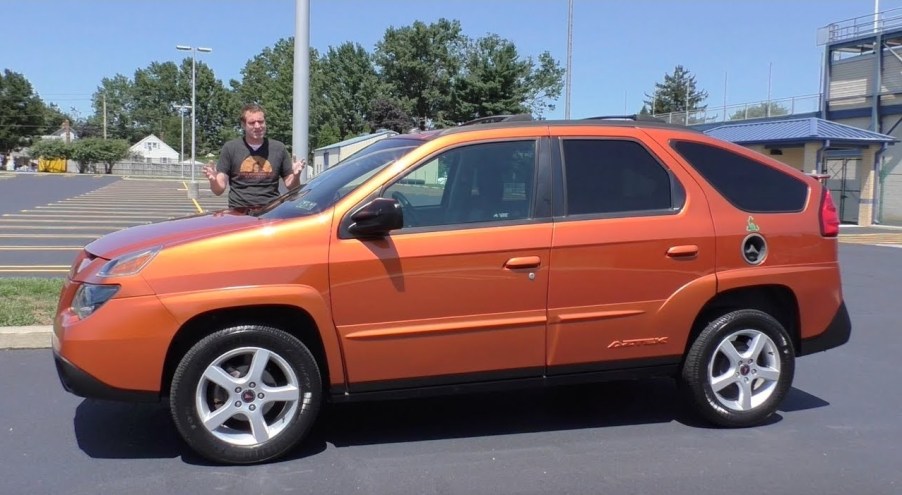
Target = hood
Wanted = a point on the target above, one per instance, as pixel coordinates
(171, 232)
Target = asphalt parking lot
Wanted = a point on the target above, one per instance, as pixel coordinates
(45, 219)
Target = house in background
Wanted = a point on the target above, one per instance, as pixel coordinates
(152, 149)
(328, 156)
(64, 133)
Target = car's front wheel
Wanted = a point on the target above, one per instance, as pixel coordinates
(245, 394)
(739, 368)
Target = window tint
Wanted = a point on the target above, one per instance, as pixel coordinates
(746, 183)
(612, 176)
(486, 182)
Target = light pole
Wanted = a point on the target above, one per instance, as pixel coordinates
(181, 109)
(193, 50)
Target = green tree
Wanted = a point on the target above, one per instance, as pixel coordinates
(50, 149)
(497, 81)
(92, 151)
(54, 118)
(678, 93)
(22, 112)
(420, 63)
(352, 85)
(155, 92)
(760, 110)
(388, 113)
(115, 98)
(216, 114)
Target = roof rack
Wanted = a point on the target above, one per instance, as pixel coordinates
(520, 117)
(635, 117)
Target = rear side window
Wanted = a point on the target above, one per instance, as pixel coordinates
(749, 185)
(613, 176)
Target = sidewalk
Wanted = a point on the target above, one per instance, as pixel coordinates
(36, 337)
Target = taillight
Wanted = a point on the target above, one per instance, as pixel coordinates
(829, 217)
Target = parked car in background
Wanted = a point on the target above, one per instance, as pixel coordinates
(491, 255)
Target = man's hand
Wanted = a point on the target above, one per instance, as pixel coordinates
(297, 166)
(210, 171)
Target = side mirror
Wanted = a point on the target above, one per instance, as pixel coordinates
(376, 218)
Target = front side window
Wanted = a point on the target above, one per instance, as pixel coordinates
(612, 177)
(337, 181)
(486, 182)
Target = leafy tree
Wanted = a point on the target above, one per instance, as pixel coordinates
(118, 94)
(217, 113)
(352, 85)
(22, 112)
(155, 92)
(678, 93)
(420, 63)
(388, 113)
(92, 151)
(54, 119)
(545, 82)
(496, 81)
(50, 149)
(760, 110)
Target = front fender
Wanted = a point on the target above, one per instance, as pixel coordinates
(186, 305)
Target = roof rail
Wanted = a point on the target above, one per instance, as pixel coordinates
(638, 117)
(520, 117)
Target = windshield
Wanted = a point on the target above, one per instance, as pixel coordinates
(338, 181)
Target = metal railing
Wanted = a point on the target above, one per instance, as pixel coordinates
(859, 26)
(744, 111)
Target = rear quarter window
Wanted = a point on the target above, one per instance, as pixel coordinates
(748, 184)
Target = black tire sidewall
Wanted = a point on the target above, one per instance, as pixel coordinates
(694, 379)
(201, 355)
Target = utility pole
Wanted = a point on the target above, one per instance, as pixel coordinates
(104, 115)
(570, 59)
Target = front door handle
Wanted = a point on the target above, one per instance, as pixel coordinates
(687, 251)
(523, 262)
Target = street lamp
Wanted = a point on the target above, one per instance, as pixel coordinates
(193, 50)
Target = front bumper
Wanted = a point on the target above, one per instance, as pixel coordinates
(837, 333)
(117, 352)
(80, 383)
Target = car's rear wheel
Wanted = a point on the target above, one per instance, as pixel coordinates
(245, 394)
(739, 368)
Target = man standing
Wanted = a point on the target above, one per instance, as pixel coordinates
(251, 166)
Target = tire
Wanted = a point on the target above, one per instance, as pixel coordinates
(739, 369)
(226, 399)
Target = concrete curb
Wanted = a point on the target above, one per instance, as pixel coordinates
(34, 337)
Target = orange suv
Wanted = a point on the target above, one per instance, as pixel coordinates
(492, 255)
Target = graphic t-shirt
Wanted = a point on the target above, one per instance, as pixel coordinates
(253, 174)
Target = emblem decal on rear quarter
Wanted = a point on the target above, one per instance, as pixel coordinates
(751, 226)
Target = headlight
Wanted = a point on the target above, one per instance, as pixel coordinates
(129, 264)
(89, 297)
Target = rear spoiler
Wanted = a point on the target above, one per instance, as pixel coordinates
(821, 177)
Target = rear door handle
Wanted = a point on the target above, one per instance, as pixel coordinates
(687, 251)
(523, 262)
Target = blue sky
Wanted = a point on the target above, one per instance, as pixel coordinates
(620, 48)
